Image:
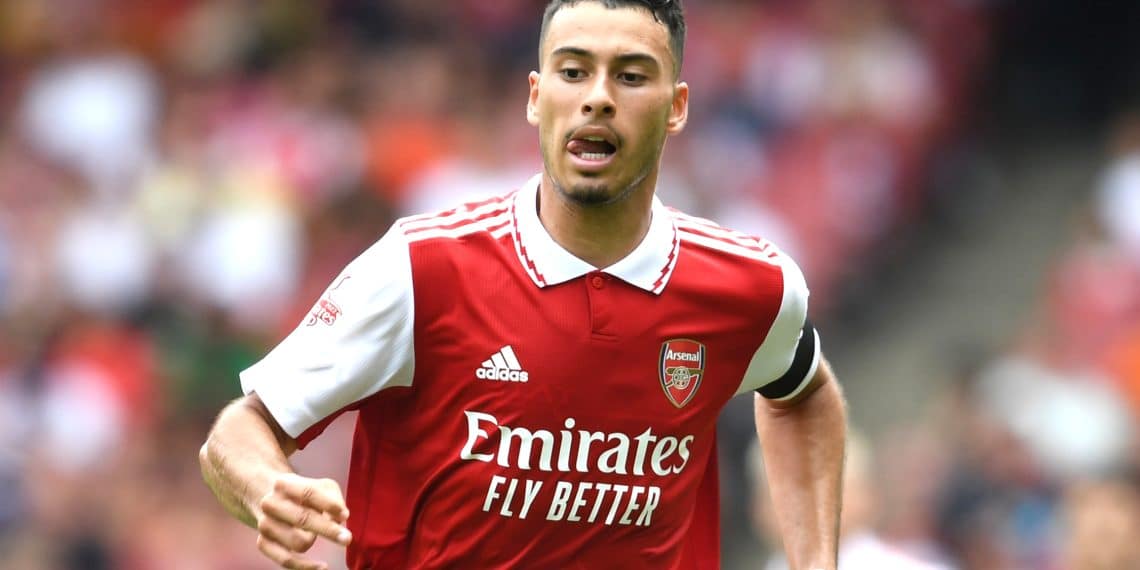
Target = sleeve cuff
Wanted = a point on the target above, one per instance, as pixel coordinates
(799, 374)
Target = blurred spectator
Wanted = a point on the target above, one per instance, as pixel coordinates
(408, 130)
(1122, 362)
(105, 261)
(1118, 202)
(1073, 421)
(494, 151)
(94, 110)
(1103, 519)
(992, 506)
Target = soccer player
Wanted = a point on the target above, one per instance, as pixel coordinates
(538, 376)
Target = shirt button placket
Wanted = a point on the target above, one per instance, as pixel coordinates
(601, 306)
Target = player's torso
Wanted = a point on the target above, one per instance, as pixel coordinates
(550, 427)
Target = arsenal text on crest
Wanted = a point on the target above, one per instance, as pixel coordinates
(680, 368)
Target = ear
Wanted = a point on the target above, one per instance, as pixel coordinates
(532, 102)
(679, 112)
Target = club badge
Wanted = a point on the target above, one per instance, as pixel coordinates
(681, 366)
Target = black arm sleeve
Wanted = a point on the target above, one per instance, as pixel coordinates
(798, 371)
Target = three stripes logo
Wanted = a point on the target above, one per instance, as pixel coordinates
(504, 366)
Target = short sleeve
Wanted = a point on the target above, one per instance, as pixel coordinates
(789, 339)
(356, 341)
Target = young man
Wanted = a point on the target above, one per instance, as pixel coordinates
(538, 376)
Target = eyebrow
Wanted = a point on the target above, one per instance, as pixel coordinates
(630, 57)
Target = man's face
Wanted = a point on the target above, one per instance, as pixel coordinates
(605, 100)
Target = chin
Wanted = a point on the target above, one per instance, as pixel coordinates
(587, 189)
(587, 194)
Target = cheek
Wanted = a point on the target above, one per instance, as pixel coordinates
(650, 115)
(550, 108)
(565, 110)
(648, 128)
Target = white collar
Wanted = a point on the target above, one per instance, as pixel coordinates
(648, 266)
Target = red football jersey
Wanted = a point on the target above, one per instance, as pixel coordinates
(519, 408)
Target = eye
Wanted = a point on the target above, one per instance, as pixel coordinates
(572, 74)
(631, 78)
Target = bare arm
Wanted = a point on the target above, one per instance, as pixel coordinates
(245, 452)
(245, 463)
(803, 442)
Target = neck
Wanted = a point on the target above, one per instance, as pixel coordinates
(599, 235)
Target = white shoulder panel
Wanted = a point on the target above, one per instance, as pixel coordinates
(356, 341)
(774, 356)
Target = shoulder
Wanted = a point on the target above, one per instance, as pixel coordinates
(709, 239)
(404, 241)
(472, 236)
(491, 217)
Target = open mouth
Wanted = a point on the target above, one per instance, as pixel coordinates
(592, 148)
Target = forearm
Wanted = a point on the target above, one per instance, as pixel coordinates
(241, 458)
(803, 448)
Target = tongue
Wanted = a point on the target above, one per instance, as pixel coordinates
(579, 146)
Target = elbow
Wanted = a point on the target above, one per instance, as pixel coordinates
(211, 453)
(205, 457)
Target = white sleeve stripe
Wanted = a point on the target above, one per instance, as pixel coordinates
(450, 217)
(724, 246)
(496, 223)
(717, 232)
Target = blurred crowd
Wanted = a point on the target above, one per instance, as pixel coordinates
(179, 179)
(1044, 462)
(1029, 457)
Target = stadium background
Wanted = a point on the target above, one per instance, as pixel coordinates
(960, 180)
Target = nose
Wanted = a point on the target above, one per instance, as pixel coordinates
(599, 101)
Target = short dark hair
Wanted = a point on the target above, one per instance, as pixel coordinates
(668, 12)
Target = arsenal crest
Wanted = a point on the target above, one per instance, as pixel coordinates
(681, 366)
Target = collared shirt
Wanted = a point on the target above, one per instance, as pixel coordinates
(521, 408)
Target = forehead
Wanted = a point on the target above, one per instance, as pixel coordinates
(595, 28)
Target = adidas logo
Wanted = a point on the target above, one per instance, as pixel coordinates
(503, 365)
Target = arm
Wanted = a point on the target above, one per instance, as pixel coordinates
(357, 341)
(803, 445)
(244, 462)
